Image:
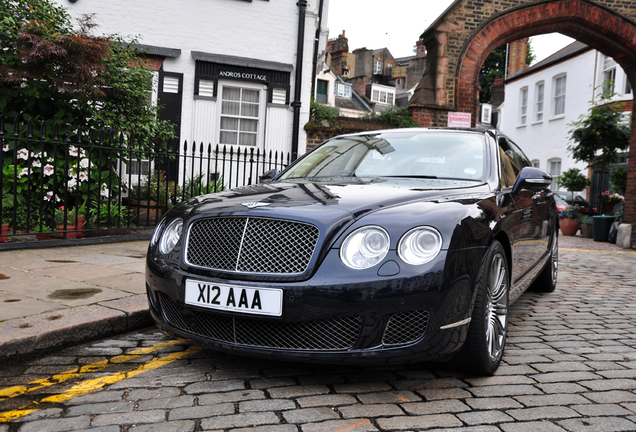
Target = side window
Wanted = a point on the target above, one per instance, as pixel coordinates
(509, 166)
(521, 158)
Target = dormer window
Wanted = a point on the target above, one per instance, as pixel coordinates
(343, 90)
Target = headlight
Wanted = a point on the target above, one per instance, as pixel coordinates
(420, 245)
(157, 233)
(171, 236)
(365, 247)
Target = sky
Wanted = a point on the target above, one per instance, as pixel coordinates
(398, 25)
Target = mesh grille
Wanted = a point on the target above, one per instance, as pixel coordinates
(322, 335)
(405, 328)
(251, 245)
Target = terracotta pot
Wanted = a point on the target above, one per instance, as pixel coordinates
(71, 230)
(569, 227)
(4, 232)
(144, 213)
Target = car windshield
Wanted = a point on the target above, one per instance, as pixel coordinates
(410, 154)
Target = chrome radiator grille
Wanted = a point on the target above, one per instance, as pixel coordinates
(405, 327)
(332, 334)
(251, 245)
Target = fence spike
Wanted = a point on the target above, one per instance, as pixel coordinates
(16, 127)
(29, 129)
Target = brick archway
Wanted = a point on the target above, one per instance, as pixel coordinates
(458, 45)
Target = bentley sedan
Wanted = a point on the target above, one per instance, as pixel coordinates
(389, 246)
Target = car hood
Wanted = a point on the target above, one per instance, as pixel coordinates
(352, 197)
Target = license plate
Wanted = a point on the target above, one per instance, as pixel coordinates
(235, 298)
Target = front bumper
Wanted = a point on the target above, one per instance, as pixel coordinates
(368, 319)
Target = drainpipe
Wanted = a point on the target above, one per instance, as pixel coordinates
(302, 4)
(316, 48)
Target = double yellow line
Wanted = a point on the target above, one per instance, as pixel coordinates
(89, 385)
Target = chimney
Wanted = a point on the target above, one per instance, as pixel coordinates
(517, 56)
(420, 49)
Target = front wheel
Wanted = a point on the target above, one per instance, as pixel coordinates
(484, 346)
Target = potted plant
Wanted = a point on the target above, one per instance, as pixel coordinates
(587, 227)
(573, 180)
(4, 231)
(609, 201)
(64, 215)
(569, 220)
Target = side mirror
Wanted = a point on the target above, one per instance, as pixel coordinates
(532, 178)
(269, 175)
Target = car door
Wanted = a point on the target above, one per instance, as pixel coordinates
(530, 218)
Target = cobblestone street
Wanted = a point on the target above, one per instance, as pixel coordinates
(569, 365)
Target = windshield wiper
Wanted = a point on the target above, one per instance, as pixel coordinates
(413, 176)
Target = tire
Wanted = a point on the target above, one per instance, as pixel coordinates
(486, 339)
(547, 279)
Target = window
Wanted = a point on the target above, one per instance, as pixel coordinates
(389, 65)
(559, 95)
(343, 90)
(382, 96)
(628, 87)
(512, 161)
(346, 72)
(555, 171)
(322, 91)
(538, 103)
(239, 116)
(609, 74)
(523, 109)
(377, 66)
(535, 163)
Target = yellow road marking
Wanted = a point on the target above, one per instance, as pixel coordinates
(597, 251)
(91, 385)
(14, 391)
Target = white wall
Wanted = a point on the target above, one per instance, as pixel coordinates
(548, 139)
(262, 30)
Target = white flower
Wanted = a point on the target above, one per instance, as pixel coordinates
(25, 171)
(49, 197)
(39, 155)
(5, 147)
(84, 163)
(82, 176)
(23, 154)
(72, 150)
(50, 159)
(105, 192)
(36, 163)
(71, 184)
(72, 174)
(48, 170)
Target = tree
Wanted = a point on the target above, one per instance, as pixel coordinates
(51, 71)
(573, 180)
(601, 135)
(494, 67)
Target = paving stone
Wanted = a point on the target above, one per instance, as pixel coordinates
(562, 366)
(100, 408)
(389, 397)
(262, 383)
(310, 415)
(339, 425)
(362, 387)
(416, 422)
(493, 403)
(613, 396)
(610, 384)
(41, 414)
(235, 396)
(551, 412)
(370, 410)
(330, 400)
(166, 403)
(435, 407)
(162, 392)
(298, 391)
(597, 410)
(178, 426)
(437, 394)
(239, 421)
(214, 386)
(504, 390)
(598, 424)
(565, 377)
(200, 411)
(131, 418)
(561, 387)
(542, 426)
(275, 428)
(266, 405)
(552, 399)
(484, 417)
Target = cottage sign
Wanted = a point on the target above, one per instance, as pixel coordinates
(242, 75)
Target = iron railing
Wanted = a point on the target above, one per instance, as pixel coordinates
(62, 183)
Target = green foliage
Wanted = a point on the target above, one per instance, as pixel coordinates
(493, 68)
(198, 186)
(54, 72)
(399, 117)
(323, 114)
(157, 189)
(573, 212)
(618, 179)
(108, 212)
(573, 180)
(600, 136)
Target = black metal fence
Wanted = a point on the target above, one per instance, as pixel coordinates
(62, 183)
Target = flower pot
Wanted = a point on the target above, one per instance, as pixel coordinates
(3, 233)
(587, 230)
(569, 227)
(607, 207)
(71, 230)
